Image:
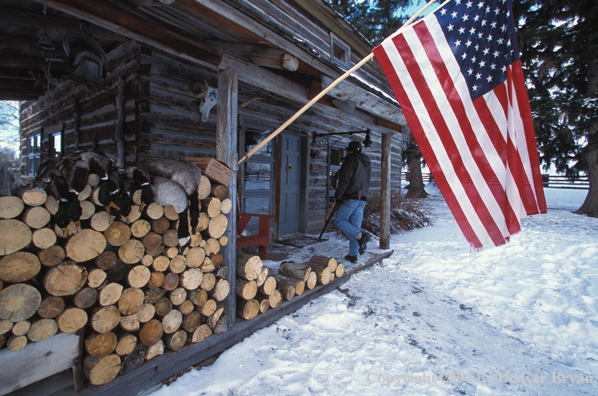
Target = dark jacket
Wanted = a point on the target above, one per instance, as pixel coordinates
(354, 175)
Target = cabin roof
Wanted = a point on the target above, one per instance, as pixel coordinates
(200, 31)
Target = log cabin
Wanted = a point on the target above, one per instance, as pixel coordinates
(150, 79)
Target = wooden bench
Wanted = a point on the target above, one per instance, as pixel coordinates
(262, 239)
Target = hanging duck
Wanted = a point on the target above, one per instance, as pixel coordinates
(120, 201)
(184, 173)
(139, 179)
(166, 192)
(69, 209)
(76, 172)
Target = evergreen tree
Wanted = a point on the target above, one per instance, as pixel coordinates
(559, 50)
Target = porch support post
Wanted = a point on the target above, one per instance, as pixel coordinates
(226, 151)
(385, 192)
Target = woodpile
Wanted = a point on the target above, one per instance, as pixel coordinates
(123, 279)
(257, 290)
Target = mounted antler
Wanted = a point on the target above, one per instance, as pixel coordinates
(198, 89)
(247, 102)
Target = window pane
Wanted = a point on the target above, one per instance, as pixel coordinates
(57, 143)
(30, 145)
(258, 176)
(38, 141)
(253, 138)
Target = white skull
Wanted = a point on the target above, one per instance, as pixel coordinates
(207, 102)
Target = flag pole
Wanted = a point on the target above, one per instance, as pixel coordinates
(325, 91)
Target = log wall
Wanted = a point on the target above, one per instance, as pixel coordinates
(163, 119)
(98, 113)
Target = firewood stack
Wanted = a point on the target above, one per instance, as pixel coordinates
(125, 281)
(257, 291)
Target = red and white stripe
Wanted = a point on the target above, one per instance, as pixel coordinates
(481, 153)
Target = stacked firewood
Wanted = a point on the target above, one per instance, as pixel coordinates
(124, 282)
(257, 291)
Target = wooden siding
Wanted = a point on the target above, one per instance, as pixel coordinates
(97, 108)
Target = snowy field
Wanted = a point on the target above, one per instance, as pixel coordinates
(437, 319)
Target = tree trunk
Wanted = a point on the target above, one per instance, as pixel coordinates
(191, 278)
(52, 256)
(103, 370)
(248, 267)
(134, 360)
(208, 308)
(110, 294)
(323, 260)
(72, 319)
(201, 334)
(85, 298)
(14, 236)
(191, 322)
(268, 286)
(172, 321)
(246, 289)
(65, 279)
(19, 267)
(85, 245)
(151, 332)
(130, 301)
(100, 345)
(208, 282)
(590, 205)
(140, 228)
(44, 238)
(118, 233)
(10, 207)
(139, 276)
(312, 280)
(51, 307)
(131, 252)
(322, 273)
(42, 329)
(220, 290)
(125, 344)
(297, 284)
(154, 350)
(105, 319)
(295, 270)
(176, 340)
(130, 323)
(96, 278)
(247, 309)
(416, 188)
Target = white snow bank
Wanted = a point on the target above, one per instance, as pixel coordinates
(437, 319)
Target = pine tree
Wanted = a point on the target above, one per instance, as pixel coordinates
(559, 50)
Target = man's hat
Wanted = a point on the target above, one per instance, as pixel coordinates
(355, 146)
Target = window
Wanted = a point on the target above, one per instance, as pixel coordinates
(340, 53)
(56, 144)
(258, 175)
(33, 153)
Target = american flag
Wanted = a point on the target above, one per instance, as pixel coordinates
(458, 78)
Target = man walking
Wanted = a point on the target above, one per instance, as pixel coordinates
(352, 194)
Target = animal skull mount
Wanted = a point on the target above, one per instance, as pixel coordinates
(208, 97)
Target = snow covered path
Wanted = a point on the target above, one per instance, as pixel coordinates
(520, 318)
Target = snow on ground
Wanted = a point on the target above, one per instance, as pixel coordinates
(437, 319)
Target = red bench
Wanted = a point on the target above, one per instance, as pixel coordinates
(262, 238)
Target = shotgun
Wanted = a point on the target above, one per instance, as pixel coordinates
(336, 205)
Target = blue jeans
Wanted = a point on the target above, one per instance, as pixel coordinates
(348, 220)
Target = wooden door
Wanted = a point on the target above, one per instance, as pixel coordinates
(290, 190)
